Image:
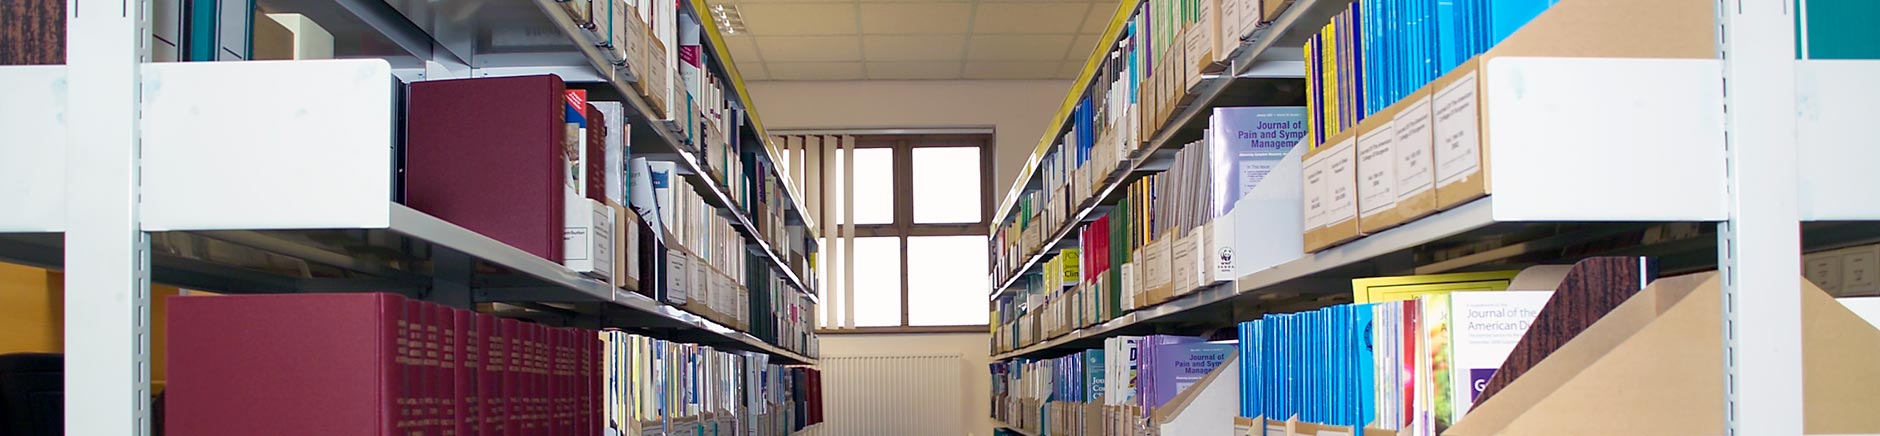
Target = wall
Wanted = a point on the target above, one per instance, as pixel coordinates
(1017, 110)
(972, 348)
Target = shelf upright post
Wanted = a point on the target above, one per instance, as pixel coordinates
(1759, 248)
(107, 261)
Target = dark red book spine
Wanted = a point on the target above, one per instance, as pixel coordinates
(558, 380)
(408, 360)
(486, 154)
(539, 381)
(418, 375)
(444, 322)
(468, 355)
(596, 378)
(491, 398)
(596, 154)
(516, 405)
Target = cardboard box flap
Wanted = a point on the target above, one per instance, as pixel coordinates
(1617, 28)
(1653, 366)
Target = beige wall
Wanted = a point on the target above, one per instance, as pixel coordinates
(1016, 109)
(970, 346)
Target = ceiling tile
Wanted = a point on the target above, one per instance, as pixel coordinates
(752, 71)
(1017, 47)
(916, 18)
(1082, 47)
(1028, 17)
(913, 48)
(1099, 17)
(743, 48)
(799, 19)
(1068, 71)
(1012, 70)
(815, 71)
(809, 48)
(913, 70)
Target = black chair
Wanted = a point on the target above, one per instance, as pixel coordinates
(32, 394)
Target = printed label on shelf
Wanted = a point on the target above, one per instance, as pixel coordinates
(1458, 131)
(1377, 167)
(1341, 182)
(1415, 173)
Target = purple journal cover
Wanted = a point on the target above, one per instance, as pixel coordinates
(1246, 143)
(1149, 364)
(1181, 365)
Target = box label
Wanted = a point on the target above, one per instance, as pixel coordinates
(1156, 265)
(1415, 174)
(1458, 131)
(1129, 285)
(1314, 191)
(1183, 257)
(678, 272)
(1377, 167)
(574, 245)
(1857, 272)
(1341, 182)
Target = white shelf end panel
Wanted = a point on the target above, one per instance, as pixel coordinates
(268, 145)
(32, 148)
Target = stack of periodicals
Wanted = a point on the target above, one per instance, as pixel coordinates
(382, 364)
(1414, 362)
(1377, 52)
(656, 385)
(1102, 391)
(1161, 240)
(1173, 243)
(373, 364)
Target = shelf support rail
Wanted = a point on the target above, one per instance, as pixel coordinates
(1759, 248)
(107, 257)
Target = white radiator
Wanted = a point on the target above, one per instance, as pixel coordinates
(913, 395)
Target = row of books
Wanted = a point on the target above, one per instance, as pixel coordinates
(377, 363)
(1160, 241)
(1377, 52)
(1415, 354)
(1162, 50)
(653, 385)
(1130, 375)
(566, 197)
(668, 52)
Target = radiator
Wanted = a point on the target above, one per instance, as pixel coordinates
(910, 395)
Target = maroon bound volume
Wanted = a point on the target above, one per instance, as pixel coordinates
(416, 387)
(492, 401)
(596, 154)
(516, 406)
(443, 336)
(253, 364)
(591, 378)
(468, 360)
(485, 154)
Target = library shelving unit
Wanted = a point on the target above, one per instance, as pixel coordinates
(124, 200)
(1736, 190)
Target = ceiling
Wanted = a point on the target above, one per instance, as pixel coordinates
(915, 39)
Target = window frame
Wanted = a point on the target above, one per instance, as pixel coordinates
(904, 226)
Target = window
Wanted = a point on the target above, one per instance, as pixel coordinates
(919, 209)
